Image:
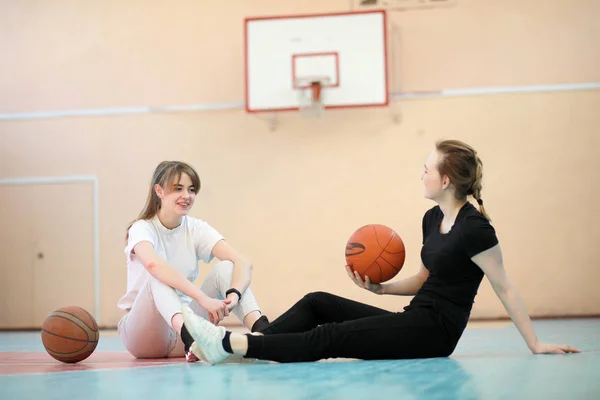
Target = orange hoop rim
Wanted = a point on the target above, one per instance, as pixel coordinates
(306, 82)
(314, 84)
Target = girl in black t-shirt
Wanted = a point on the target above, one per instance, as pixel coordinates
(459, 248)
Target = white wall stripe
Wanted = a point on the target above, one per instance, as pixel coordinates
(238, 105)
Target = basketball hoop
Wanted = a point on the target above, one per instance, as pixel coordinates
(310, 95)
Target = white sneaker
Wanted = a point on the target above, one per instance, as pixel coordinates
(208, 338)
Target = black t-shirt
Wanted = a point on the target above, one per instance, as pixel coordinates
(453, 277)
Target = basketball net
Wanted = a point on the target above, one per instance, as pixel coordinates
(310, 99)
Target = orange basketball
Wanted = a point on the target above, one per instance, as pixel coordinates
(375, 251)
(70, 334)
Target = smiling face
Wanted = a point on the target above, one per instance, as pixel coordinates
(178, 198)
(434, 184)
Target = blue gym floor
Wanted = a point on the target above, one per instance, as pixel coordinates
(490, 362)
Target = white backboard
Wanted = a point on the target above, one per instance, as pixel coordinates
(285, 52)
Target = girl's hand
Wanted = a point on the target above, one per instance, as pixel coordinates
(366, 284)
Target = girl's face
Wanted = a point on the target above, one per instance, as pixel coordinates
(434, 184)
(179, 198)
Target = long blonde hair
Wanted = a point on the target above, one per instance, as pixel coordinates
(463, 166)
(166, 173)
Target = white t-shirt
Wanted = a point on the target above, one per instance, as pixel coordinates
(181, 247)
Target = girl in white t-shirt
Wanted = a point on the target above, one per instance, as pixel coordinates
(163, 247)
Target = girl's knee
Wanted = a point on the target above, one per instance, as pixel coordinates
(224, 266)
(317, 297)
(221, 271)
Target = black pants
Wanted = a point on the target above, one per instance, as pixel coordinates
(322, 325)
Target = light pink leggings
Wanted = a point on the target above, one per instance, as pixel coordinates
(146, 329)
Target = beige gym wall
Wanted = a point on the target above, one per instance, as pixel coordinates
(290, 198)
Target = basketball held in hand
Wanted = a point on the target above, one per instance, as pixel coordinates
(375, 251)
